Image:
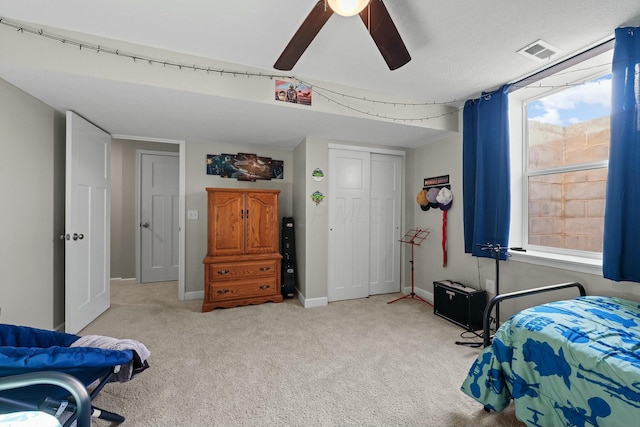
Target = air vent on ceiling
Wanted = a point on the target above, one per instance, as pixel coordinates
(539, 51)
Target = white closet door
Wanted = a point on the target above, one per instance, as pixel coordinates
(386, 196)
(349, 220)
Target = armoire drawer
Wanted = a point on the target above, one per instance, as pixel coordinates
(238, 289)
(241, 270)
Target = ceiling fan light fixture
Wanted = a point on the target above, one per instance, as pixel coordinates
(348, 7)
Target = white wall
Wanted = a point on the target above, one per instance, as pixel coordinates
(31, 182)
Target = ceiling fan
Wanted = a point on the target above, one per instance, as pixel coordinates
(375, 17)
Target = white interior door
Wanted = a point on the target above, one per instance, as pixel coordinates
(349, 191)
(159, 230)
(87, 223)
(384, 254)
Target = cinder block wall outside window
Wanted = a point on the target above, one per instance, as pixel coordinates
(567, 210)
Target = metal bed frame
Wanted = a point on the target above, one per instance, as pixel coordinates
(486, 334)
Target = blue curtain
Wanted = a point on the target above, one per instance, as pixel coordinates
(620, 260)
(486, 178)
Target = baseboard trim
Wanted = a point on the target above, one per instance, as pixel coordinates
(421, 293)
(194, 295)
(312, 302)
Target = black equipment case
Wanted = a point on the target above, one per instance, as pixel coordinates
(288, 271)
(459, 304)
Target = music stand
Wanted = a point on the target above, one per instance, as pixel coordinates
(413, 237)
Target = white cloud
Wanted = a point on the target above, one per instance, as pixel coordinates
(598, 92)
(551, 116)
(591, 93)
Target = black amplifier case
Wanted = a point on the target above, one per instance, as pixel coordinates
(459, 304)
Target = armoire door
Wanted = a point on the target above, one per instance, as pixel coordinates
(261, 222)
(226, 231)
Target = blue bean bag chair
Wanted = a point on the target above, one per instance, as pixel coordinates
(28, 350)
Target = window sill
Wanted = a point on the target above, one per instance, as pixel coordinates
(565, 262)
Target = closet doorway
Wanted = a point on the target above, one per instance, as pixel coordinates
(365, 193)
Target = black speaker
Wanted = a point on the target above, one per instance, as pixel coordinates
(288, 270)
(459, 304)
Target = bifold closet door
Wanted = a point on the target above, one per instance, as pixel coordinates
(384, 245)
(349, 220)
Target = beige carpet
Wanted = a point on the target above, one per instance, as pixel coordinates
(352, 363)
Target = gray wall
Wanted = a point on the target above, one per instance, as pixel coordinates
(445, 157)
(312, 220)
(299, 189)
(197, 181)
(32, 193)
(32, 190)
(124, 224)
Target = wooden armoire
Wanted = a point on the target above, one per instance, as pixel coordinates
(242, 265)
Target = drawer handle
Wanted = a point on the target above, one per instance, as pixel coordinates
(265, 268)
(265, 286)
(223, 271)
(223, 291)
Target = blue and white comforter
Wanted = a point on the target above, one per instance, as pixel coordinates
(566, 363)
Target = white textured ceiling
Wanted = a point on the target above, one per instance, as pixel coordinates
(459, 48)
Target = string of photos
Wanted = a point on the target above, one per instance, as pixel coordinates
(244, 167)
(303, 95)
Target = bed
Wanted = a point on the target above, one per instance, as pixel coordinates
(565, 363)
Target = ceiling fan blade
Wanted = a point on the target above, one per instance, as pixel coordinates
(304, 36)
(385, 34)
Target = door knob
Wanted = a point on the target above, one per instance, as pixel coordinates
(145, 224)
(65, 237)
(77, 236)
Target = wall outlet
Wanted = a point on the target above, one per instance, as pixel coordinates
(490, 286)
(192, 214)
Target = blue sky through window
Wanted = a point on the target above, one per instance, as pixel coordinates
(576, 104)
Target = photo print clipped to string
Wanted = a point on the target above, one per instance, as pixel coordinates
(436, 194)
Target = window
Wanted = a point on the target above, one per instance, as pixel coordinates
(567, 149)
(560, 131)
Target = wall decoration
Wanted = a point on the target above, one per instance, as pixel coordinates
(427, 198)
(317, 174)
(317, 197)
(436, 193)
(295, 92)
(244, 166)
